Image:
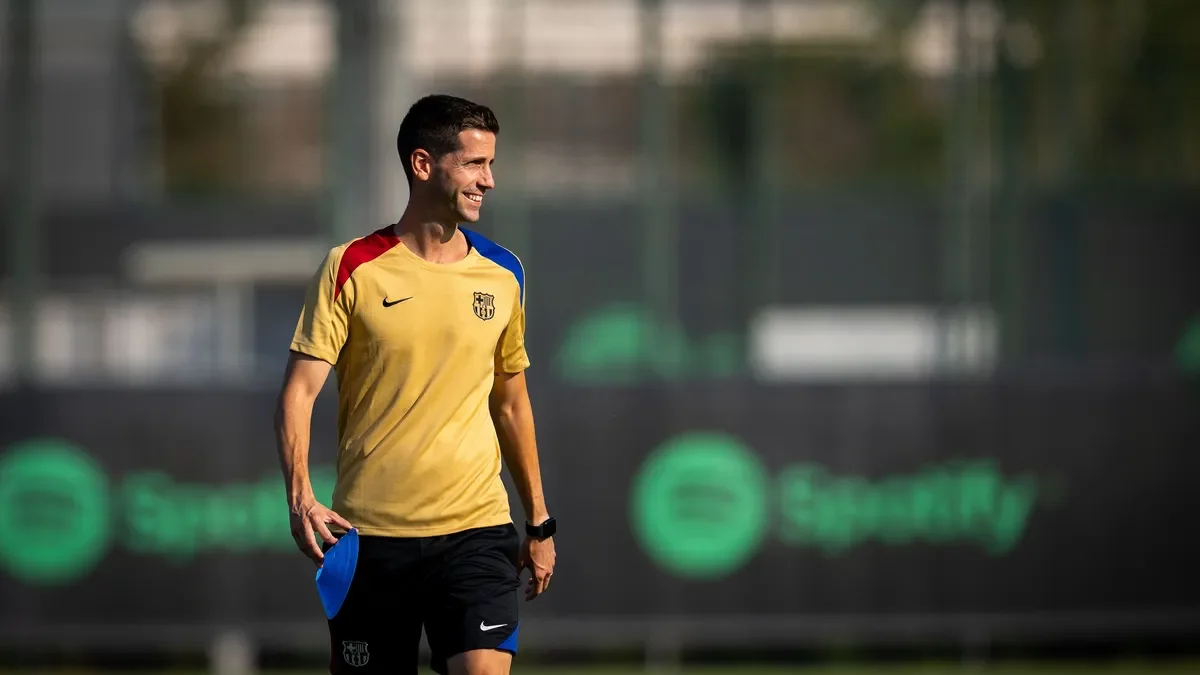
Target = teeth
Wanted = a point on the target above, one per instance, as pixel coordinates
(475, 198)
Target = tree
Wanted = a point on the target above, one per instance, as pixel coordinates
(198, 113)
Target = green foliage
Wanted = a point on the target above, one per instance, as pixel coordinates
(1111, 98)
(817, 115)
(199, 115)
(1107, 94)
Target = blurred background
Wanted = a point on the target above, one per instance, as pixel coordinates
(862, 330)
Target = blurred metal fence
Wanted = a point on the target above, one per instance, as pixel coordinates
(747, 193)
(723, 162)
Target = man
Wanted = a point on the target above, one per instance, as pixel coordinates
(424, 323)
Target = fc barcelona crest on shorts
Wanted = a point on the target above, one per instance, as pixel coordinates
(484, 305)
(355, 653)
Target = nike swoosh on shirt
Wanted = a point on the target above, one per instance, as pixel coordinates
(484, 627)
(395, 302)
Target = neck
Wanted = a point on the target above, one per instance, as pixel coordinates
(435, 240)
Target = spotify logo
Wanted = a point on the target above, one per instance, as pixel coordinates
(54, 511)
(702, 505)
(60, 512)
(699, 505)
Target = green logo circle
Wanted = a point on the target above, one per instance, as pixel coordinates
(699, 505)
(54, 511)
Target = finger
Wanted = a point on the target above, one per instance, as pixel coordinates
(536, 584)
(313, 551)
(325, 533)
(301, 544)
(340, 521)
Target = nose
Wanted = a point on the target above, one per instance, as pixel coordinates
(487, 181)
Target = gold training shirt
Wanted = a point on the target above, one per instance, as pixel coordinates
(415, 346)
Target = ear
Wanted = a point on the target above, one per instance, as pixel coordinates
(422, 164)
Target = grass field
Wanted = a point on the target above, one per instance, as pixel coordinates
(1064, 668)
(912, 669)
(1081, 668)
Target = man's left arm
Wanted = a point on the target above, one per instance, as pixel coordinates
(513, 416)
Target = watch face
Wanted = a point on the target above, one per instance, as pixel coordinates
(546, 529)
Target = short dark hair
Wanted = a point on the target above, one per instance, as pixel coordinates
(434, 122)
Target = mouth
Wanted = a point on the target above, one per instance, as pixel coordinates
(474, 198)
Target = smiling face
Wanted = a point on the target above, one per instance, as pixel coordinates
(465, 175)
(454, 184)
(448, 146)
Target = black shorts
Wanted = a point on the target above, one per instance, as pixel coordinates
(463, 588)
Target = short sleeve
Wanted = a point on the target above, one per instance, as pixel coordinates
(510, 351)
(324, 322)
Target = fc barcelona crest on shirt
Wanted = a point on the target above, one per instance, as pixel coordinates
(355, 653)
(484, 305)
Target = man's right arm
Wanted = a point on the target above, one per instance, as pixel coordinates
(303, 380)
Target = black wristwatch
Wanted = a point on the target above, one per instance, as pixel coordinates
(543, 531)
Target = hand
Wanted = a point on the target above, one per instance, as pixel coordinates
(311, 517)
(538, 556)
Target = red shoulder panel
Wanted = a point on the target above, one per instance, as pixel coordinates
(362, 251)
